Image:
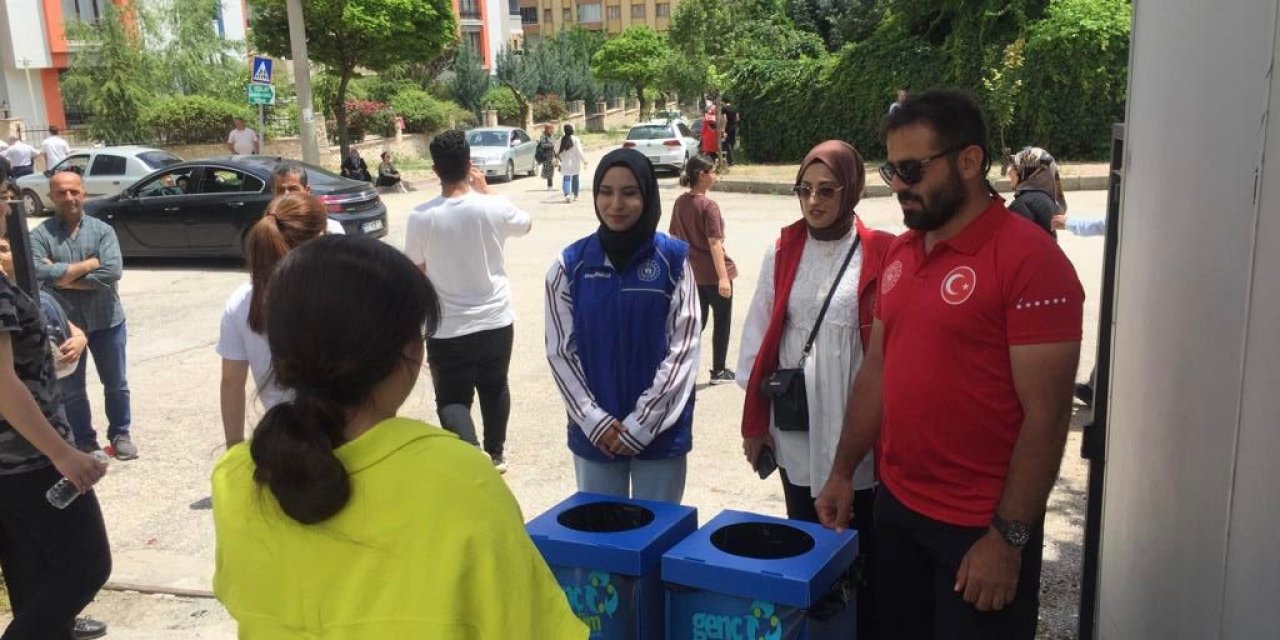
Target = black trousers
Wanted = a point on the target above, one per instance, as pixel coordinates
(462, 367)
(54, 560)
(918, 561)
(800, 506)
(710, 299)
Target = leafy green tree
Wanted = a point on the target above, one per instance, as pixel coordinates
(470, 81)
(637, 58)
(350, 34)
(196, 61)
(118, 81)
(1001, 89)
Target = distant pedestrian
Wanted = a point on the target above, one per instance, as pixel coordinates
(339, 519)
(291, 177)
(622, 340)
(731, 121)
(903, 94)
(1037, 187)
(242, 141)
(54, 560)
(79, 257)
(710, 135)
(572, 162)
(354, 167)
(290, 220)
(21, 158)
(696, 219)
(458, 239)
(54, 148)
(545, 153)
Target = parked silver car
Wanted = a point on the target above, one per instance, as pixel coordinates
(667, 144)
(502, 151)
(106, 171)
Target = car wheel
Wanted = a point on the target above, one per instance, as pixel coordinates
(511, 170)
(35, 207)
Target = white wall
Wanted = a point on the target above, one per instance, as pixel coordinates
(1189, 534)
(22, 35)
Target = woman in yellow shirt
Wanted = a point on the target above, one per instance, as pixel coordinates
(341, 521)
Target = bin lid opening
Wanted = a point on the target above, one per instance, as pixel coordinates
(605, 517)
(762, 540)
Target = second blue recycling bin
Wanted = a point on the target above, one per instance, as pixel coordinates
(606, 553)
(744, 575)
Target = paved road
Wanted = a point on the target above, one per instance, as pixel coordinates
(174, 309)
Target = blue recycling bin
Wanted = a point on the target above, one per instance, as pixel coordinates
(756, 577)
(606, 553)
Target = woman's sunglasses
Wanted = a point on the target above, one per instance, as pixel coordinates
(824, 191)
(912, 171)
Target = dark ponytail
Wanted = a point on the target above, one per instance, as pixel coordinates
(693, 168)
(566, 142)
(321, 295)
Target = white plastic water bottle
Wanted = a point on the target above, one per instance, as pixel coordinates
(63, 492)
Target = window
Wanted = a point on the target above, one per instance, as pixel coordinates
(662, 10)
(472, 40)
(521, 136)
(615, 12)
(228, 181)
(513, 7)
(76, 163)
(106, 164)
(588, 13)
(568, 16)
(469, 9)
(173, 183)
(158, 159)
(547, 17)
(529, 15)
(637, 11)
(684, 131)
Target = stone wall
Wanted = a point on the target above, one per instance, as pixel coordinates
(406, 145)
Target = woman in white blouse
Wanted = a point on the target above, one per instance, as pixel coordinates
(827, 252)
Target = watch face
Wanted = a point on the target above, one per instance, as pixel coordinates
(1018, 534)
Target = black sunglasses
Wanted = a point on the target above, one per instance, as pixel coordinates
(912, 171)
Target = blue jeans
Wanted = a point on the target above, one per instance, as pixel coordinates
(571, 181)
(107, 347)
(661, 480)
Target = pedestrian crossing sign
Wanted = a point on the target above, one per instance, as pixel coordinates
(261, 70)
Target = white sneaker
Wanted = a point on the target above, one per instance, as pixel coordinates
(575, 198)
(499, 464)
(567, 200)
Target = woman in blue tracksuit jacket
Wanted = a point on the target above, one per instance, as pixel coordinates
(622, 340)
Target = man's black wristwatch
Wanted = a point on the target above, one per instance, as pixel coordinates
(1015, 533)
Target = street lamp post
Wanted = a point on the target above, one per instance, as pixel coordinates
(302, 83)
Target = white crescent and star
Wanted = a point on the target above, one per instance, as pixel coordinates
(958, 285)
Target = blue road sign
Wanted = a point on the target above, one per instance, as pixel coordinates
(261, 70)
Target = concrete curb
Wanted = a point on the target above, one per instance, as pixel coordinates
(881, 190)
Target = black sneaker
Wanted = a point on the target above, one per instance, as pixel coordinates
(89, 446)
(1084, 393)
(86, 628)
(722, 376)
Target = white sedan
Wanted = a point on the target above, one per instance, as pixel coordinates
(667, 144)
(106, 172)
(501, 151)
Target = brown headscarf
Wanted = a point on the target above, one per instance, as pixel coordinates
(1038, 171)
(846, 163)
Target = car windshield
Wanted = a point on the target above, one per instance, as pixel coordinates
(650, 132)
(488, 138)
(158, 159)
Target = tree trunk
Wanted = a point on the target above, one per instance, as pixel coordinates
(526, 115)
(340, 112)
(644, 107)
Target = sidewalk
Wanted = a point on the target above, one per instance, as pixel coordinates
(777, 179)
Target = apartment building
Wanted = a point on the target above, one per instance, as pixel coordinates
(488, 26)
(545, 18)
(35, 51)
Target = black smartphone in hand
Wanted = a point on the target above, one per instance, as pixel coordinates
(766, 464)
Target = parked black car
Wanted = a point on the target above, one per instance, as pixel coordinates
(204, 208)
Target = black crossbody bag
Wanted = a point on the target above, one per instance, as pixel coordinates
(785, 387)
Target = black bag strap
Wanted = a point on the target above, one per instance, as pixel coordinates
(813, 335)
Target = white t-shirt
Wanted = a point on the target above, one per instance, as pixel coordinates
(460, 240)
(54, 149)
(334, 228)
(236, 341)
(20, 154)
(242, 140)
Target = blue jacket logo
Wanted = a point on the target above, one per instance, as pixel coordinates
(649, 271)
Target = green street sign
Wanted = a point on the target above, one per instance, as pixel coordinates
(262, 94)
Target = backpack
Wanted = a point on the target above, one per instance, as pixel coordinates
(540, 154)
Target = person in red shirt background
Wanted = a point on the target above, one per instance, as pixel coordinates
(966, 389)
(710, 134)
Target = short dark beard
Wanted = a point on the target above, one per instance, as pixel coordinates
(939, 206)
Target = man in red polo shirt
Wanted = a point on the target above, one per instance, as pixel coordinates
(966, 388)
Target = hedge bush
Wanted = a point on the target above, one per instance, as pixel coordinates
(424, 113)
(501, 99)
(369, 116)
(193, 119)
(548, 108)
(1076, 74)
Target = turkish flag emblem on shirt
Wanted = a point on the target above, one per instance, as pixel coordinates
(959, 285)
